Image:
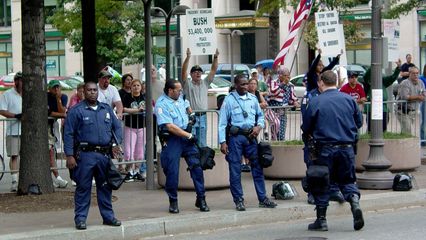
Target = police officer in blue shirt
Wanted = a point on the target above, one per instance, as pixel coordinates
(88, 138)
(241, 114)
(335, 194)
(172, 117)
(333, 120)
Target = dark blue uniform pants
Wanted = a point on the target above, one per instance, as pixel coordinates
(170, 158)
(89, 165)
(341, 164)
(238, 146)
(307, 159)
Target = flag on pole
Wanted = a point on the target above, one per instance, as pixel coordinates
(301, 13)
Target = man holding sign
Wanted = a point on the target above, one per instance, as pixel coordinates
(195, 90)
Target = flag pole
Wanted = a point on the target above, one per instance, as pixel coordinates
(301, 34)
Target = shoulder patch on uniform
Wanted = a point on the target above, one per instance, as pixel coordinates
(159, 110)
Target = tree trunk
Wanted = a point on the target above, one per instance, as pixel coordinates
(274, 34)
(34, 164)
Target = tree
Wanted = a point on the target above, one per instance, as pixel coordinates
(119, 29)
(352, 29)
(34, 164)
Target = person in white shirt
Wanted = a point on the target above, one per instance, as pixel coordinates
(11, 107)
(162, 72)
(109, 94)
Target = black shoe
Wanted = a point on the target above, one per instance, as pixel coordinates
(128, 177)
(114, 222)
(139, 177)
(81, 225)
(245, 168)
(173, 208)
(337, 196)
(356, 213)
(240, 206)
(202, 204)
(311, 199)
(320, 223)
(266, 203)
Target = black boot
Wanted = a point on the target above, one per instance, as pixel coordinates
(320, 223)
(356, 212)
(202, 204)
(173, 208)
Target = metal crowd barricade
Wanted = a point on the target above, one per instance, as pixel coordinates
(396, 117)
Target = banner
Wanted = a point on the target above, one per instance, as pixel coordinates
(391, 32)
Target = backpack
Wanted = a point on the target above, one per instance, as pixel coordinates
(402, 182)
(283, 191)
(207, 158)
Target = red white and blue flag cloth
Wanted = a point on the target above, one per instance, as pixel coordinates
(301, 13)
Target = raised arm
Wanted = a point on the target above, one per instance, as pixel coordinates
(185, 67)
(214, 67)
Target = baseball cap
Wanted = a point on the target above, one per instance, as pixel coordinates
(104, 73)
(18, 75)
(352, 74)
(53, 83)
(196, 68)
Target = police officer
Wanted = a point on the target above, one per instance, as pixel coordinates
(172, 118)
(335, 194)
(241, 112)
(88, 136)
(332, 119)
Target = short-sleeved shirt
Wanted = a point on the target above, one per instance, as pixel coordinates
(123, 93)
(356, 93)
(173, 111)
(52, 104)
(404, 68)
(196, 93)
(408, 88)
(109, 95)
(11, 101)
(134, 120)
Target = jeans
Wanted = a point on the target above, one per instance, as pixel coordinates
(200, 129)
(423, 124)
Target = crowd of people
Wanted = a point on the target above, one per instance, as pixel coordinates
(98, 114)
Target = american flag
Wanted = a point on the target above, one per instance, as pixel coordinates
(301, 13)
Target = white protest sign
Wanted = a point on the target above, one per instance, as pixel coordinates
(201, 31)
(377, 104)
(391, 32)
(329, 36)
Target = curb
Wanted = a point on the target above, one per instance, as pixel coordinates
(286, 211)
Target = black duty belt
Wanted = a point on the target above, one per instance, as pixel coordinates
(200, 113)
(239, 131)
(96, 148)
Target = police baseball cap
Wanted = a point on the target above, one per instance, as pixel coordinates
(104, 73)
(352, 74)
(196, 68)
(53, 83)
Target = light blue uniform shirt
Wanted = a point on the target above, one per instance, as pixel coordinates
(232, 109)
(168, 110)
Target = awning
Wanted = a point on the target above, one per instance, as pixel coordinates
(241, 19)
(360, 16)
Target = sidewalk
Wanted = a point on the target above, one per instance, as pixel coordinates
(145, 213)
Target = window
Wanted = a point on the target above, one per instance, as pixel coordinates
(6, 64)
(5, 13)
(55, 58)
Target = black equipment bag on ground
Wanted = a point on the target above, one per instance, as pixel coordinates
(402, 182)
(206, 158)
(317, 179)
(264, 153)
(114, 178)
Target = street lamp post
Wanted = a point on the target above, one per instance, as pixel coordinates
(231, 34)
(177, 10)
(377, 175)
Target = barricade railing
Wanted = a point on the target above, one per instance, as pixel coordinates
(401, 116)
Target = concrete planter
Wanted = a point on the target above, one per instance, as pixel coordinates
(404, 154)
(218, 177)
(288, 162)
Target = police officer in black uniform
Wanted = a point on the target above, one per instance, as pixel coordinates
(88, 143)
(333, 119)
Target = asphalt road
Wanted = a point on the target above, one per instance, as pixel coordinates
(406, 223)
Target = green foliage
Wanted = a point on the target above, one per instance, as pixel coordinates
(388, 135)
(397, 8)
(119, 29)
(287, 143)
